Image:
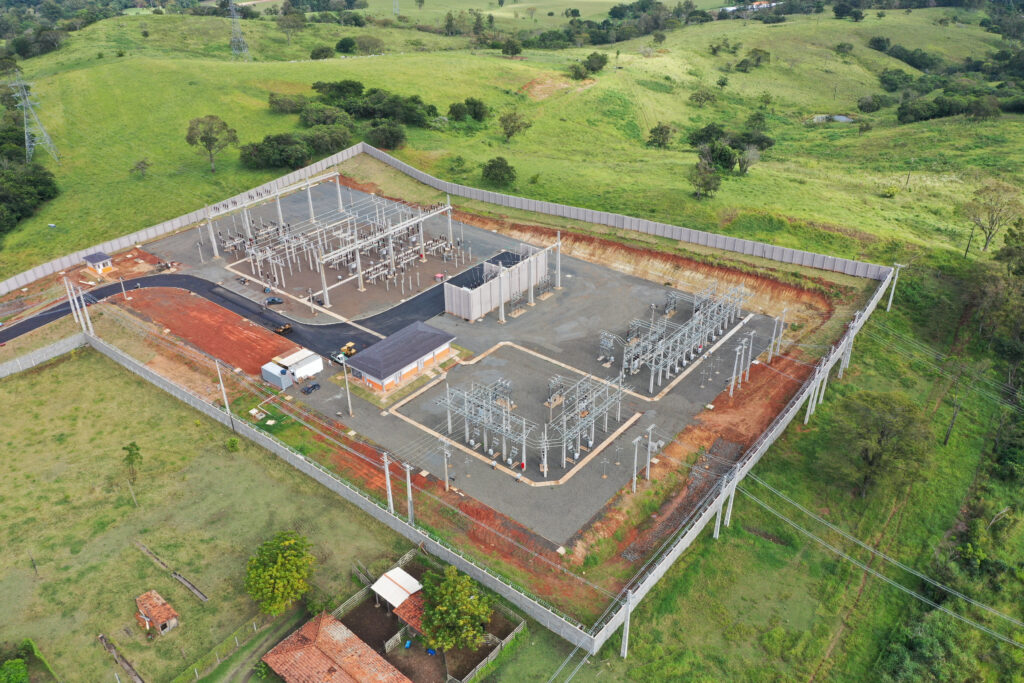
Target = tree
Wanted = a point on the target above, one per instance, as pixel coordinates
(722, 81)
(983, 108)
(131, 460)
(595, 61)
(450, 28)
(291, 23)
(387, 135)
(702, 96)
(882, 432)
(578, 71)
(704, 179)
(419, 4)
(512, 123)
(658, 37)
(511, 47)
(757, 121)
(455, 611)
(457, 111)
(750, 156)
(1012, 251)
(211, 135)
(369, 45)
(141, 167)
(499, 172)
(857, 14)
(346, 45)
(321, 52)
(476, 109)
(843, 49)
(994, 206)
(661, 135)
(276, 575)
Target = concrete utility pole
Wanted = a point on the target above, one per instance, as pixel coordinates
(636, 453)
(348, 396)
(735, 365)
(750, 354)
(771, 344)
(213, 237)
(448, 203)
(895, 279)
(71, 303)
(337, 185)
(447, 454)
(309, 198)
(782, 329)
(650, 447)
(558, 261)
(85, 312)
(408, 490)
(224, 396)
(625, 624)
(718, 518)
(387, 484)
(732, 495)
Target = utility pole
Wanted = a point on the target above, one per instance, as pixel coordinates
(750, 354)
(123, 292)
(895, 279)
(625, 624)
(447, 454)
(224, 396)
(650, 447)
(771, 344)
(71, 302)
(782, 329)
(636, 452)
(387, 484)
(735, 365)
(348, 396)
(408, 490)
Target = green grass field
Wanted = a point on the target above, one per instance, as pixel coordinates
(202, 509)
(827, 177)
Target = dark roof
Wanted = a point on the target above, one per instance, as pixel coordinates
(404, 347)
(98, 257)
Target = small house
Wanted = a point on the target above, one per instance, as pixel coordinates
(155, 613)
(300, 364)
(390, 363)
(276, 375)
(324, 650)
(99, 263)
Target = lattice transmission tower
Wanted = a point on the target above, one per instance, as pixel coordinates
(239, 47)
(35, 133)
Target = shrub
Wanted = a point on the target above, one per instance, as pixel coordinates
(894, 79)
(232, 444)
(286, 104)
(595, 61)
(458, 111)
(499, 172)
(386, 135)
(477, 109)
(369, 45)
(577, 71)
(879, 43)
(286, 150)
(316, 114)
(321, 52)
(346, 45)
(661, 136)
(323, 140)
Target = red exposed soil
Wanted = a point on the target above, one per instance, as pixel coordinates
(209, 327)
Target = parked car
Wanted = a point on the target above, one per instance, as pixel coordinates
(310, 389)
(274, 301)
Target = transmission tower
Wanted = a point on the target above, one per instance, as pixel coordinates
(239, 47)
(35, 133)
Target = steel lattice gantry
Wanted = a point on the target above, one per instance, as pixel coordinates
(666, 347)
(371, 238)
(488, 412)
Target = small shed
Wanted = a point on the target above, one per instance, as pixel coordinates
(276, 375)
(394, 361)
(155, 613)
(99, 262)
(301, 364)
(396, 586)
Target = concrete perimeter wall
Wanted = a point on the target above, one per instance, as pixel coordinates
(39, 356)
(268, 190)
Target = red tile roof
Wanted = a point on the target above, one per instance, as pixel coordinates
(325, 651)
(155, 607)
(411, 611)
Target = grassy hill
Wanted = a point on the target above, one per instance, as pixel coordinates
(586, 146)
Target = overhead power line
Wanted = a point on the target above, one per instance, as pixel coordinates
(880, 576)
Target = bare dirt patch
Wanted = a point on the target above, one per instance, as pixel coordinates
(209, 327)
(544, 87)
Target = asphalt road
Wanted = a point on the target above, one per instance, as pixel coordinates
(324, 339)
